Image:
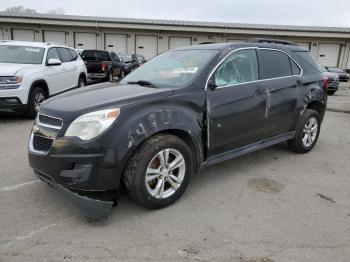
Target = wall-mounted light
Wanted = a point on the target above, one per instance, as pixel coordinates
(314, 44)
(128, 36)
(160, 37)
(194, 39)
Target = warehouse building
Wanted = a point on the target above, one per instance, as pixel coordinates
(329, 45)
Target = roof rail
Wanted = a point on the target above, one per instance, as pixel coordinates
(271, 41)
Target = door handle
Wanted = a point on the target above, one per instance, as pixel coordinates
(259, 91)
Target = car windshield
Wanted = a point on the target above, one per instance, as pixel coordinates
(125, 57)
(336, 70)
(95, 55)
(172, 68)
(21, 54)
(322, 68)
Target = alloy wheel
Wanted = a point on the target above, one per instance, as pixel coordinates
(310, 132)
(165, 173)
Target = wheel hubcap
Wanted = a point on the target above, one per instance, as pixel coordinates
(38, 99)
(165, 173)
(310, 132)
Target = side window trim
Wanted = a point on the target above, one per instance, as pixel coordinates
(259, 66)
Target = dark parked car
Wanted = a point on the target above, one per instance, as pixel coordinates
(343, 76)
(137, 60)
(102, 64)
(185, 109)
(333, 79)
(127, 62)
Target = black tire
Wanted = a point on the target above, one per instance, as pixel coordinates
(296, 144)
(135, 173)
(121, 74)
(81, 82)
(32, 103)
(331, 92)
(109, 76)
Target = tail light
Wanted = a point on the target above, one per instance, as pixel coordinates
(325, 83)
(104, 66)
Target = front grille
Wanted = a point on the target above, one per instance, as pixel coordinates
(50, 120)
(41, 143)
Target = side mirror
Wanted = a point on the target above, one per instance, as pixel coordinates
(54, 62)
(211, 84)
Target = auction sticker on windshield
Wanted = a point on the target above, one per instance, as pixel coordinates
(188, 70)
(32, 50)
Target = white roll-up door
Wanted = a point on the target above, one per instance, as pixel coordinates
(328, 54)
(147, 46)
(55, 37)
(116, 43)
(85, 40)
(176, 41)
(1, 34)
(304, 44)
(23, 34)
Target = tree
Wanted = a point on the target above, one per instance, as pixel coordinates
(56, 11)
(20, 10)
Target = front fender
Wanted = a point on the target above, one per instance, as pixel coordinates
(138, 124)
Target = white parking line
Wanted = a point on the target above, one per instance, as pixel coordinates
(10, 188)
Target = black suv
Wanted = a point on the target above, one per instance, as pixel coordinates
(183, 110)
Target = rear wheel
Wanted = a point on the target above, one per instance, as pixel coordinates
(81, 82)
(36, 97)
(331, 92)
(307, 132)
(121, 74)
(159, 172)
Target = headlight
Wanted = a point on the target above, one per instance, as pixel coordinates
(90, 125)
(10, 82)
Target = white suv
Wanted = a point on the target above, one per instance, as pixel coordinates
(30, 72)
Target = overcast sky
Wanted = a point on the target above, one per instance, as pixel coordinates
(282, 12)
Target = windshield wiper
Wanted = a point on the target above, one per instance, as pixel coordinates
(143, 83)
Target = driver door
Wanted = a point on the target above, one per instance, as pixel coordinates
(236, 103)
(56, 74)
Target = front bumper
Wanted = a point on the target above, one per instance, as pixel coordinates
(91, 208)
(87, 172)
(11, 105)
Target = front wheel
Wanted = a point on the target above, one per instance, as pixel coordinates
(331, 92)
(36, 97)
(159, 172)
(307, 132)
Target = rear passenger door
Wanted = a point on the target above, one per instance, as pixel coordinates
(116, 64)
(236, 106)
(69, 67)
(282, 78)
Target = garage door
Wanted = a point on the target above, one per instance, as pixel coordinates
(1, 34)
(328, 54)
(22, 34)
(304, 44)
(116, 43)
(147, 46)
(55, 37)
(175, 41)
(85, 40)
(239, 41)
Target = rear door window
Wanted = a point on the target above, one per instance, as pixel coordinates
(275, 64)
(64, 54)
(74, 55)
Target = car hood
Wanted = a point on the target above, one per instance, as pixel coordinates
(9, 69)
(70, 105)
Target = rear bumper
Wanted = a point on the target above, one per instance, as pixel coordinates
(91, 208)
(97, 75)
